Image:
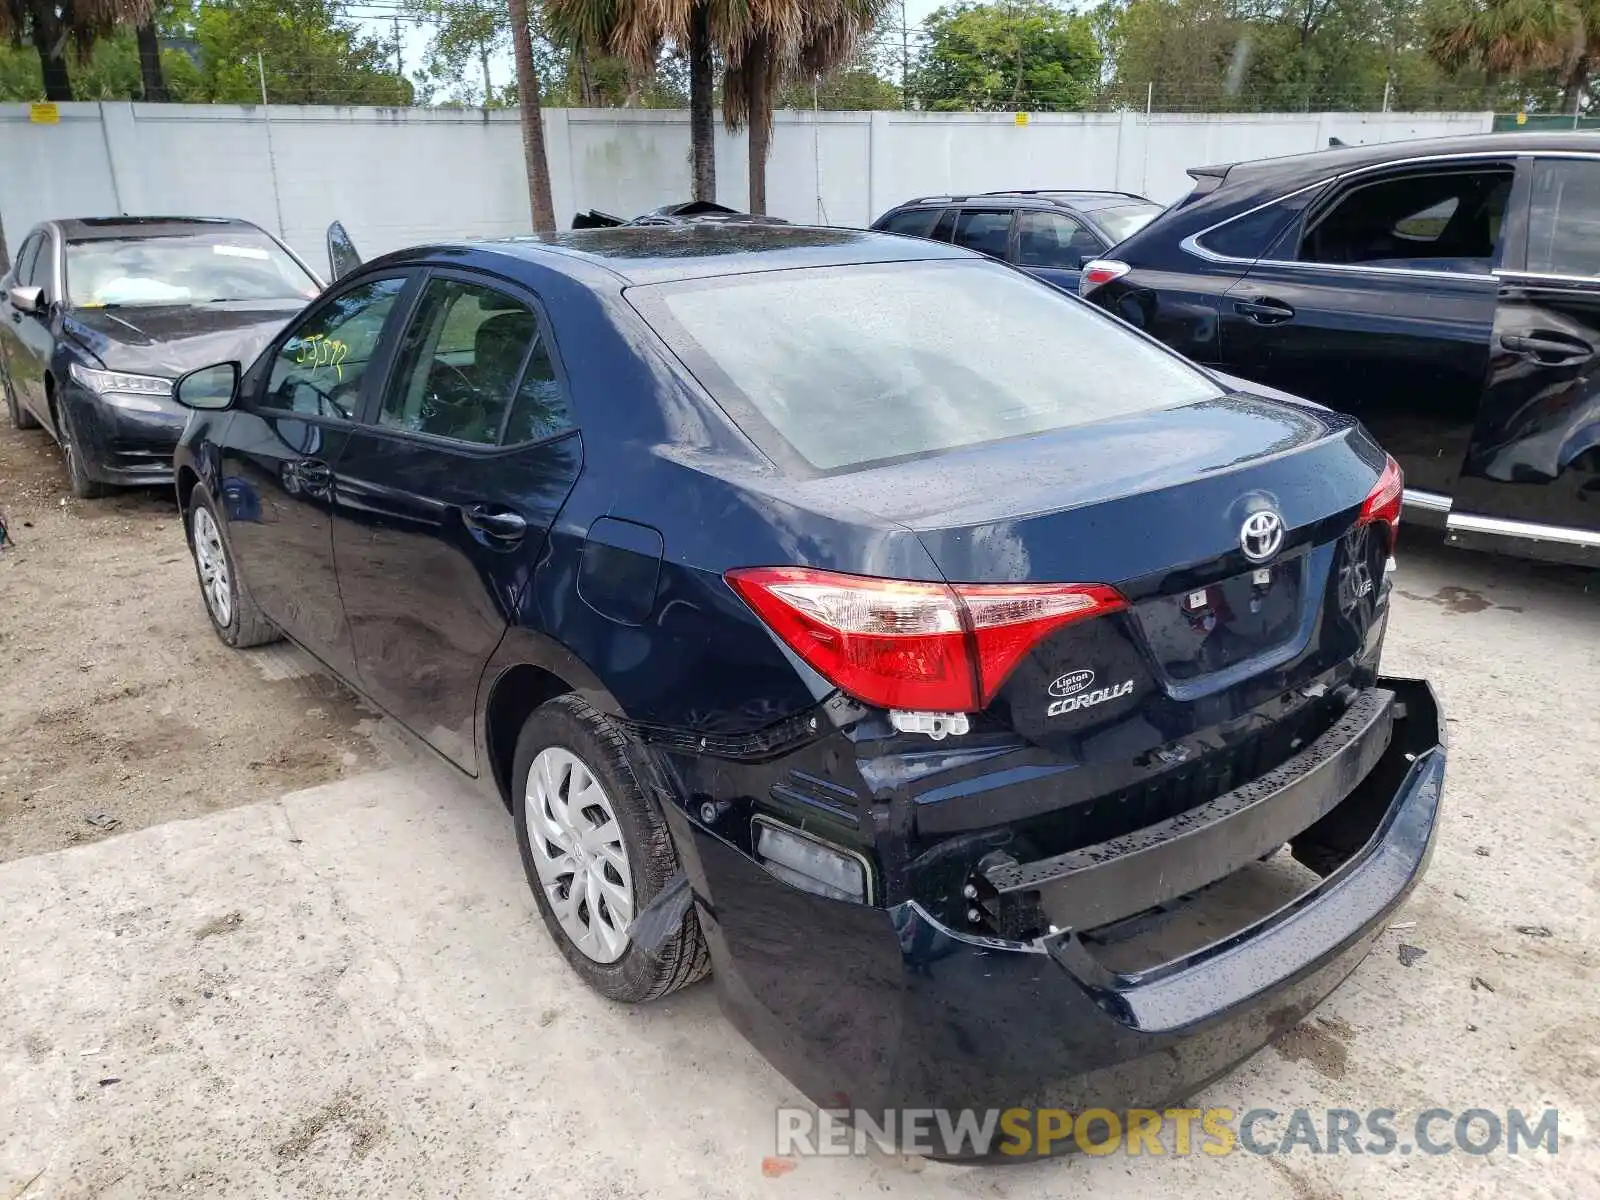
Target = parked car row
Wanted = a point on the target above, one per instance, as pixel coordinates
(847, 615)
(850, 616)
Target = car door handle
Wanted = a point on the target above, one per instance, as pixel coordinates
(499, 523)
(312, 476)
(1549, 348)
(1265, 311)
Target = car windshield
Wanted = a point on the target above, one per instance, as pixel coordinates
(188, 268)
(849, 365)
(1124, 220)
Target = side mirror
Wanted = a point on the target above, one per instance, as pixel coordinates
(210, 387)
(27, 299)
(342, 256)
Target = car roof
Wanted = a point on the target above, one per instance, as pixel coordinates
(1319, 163)
(76, 229)
(660, 253)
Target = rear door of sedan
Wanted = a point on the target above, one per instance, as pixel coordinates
(1379, 301)
(444, 496)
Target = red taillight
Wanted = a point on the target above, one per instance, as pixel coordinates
(926, 646)
(1100, 271)
(1384, 500)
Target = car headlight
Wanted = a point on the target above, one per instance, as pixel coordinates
(121, 390)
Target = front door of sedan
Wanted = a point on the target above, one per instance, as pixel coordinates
(1381, 304)
(444, 497)
(1535, 454)
(295, 418)
(28, 335)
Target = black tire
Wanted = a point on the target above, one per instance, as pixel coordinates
(21, 418)
(84, 486)
(246, 626)
(638, 975)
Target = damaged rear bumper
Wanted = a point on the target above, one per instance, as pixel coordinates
(886, 1008)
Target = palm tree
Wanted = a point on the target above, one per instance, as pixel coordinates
(532, 119)
(155, 84)
(635, 31)
(1505, 37)
(51, 26)
(783, 38)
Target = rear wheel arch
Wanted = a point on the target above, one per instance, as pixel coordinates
(516, 692)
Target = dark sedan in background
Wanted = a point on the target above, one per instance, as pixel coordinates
(1446, 292)
(1049, 234)
(892, 634)
(99, 316)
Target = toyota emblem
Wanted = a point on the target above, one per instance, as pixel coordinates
(1261, 535)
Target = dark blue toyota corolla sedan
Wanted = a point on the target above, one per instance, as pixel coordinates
(920, 650)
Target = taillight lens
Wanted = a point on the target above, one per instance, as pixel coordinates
(1384, 500)
(1099, 271)
(913, 645)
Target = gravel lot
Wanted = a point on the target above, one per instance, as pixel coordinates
(346, 991)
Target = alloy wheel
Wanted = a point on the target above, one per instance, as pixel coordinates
(212, 558)
(579, 854)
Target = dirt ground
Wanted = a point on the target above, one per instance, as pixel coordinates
(119, 708)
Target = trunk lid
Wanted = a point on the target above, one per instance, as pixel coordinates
(1215, 646)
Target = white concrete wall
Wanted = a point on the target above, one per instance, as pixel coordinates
(398, 176)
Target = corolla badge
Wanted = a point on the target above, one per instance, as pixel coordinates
(1071, 682)
(1261, 536)
(1074, 692)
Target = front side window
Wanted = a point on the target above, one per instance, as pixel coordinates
(27, 259)
(206, 266)
(984, 230)
(471, 360)
(318, 371)
(1051, 239)
(1564, 218)
(1439, 220)
(848, 365)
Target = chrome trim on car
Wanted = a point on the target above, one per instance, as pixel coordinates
(1427, 501)
(1528, 530)
(1543, 276)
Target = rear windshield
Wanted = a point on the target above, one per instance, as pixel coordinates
(850, 365)
(203, 267)
(1122, 221)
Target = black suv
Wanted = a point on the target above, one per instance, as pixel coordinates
(1050, 234)
(1446, 292)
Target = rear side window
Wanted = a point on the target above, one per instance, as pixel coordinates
(1262, 233)
(912, 222)
(1564, 218)
(460, 364)
(984, 230)
(848, 365)
(1435, 220)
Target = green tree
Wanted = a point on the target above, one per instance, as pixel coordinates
(112, 72)
(531, 116)
(50, 26)
(1027, 54)
(309, 54)
(856, 85)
